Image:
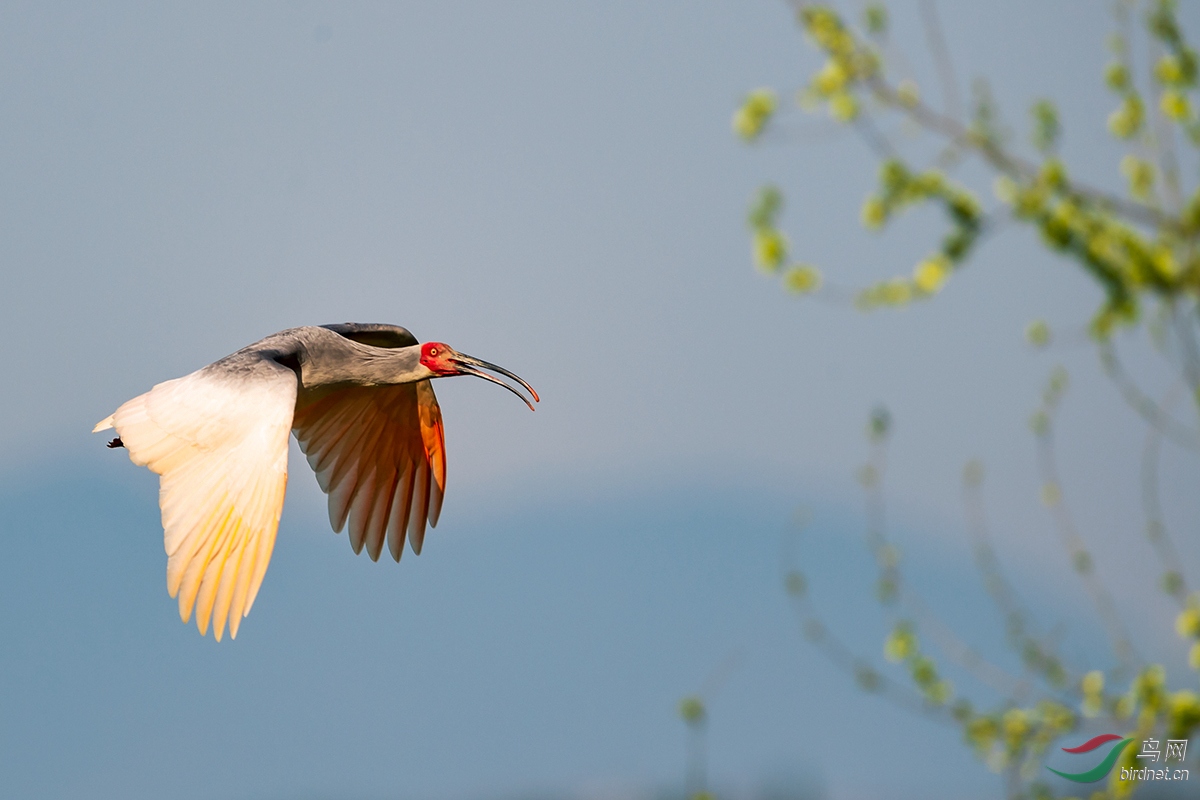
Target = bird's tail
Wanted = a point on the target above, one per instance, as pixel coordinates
(103, 424)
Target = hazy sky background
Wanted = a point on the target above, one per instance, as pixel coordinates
(555, 188)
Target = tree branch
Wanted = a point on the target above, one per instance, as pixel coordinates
(1012, 165)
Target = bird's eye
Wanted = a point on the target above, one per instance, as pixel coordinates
(433, 351)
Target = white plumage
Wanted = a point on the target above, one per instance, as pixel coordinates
(359, 400)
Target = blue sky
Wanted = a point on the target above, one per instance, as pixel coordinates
(555, 188)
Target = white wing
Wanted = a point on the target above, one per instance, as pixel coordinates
(218, 438)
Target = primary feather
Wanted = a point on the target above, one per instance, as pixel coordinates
(220, 447)
(218, 440)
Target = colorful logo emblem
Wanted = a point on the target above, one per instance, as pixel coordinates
(1104, 767)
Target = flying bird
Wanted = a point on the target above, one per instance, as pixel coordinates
(359, 401)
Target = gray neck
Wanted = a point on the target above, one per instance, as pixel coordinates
(325, 358)
(362, 365)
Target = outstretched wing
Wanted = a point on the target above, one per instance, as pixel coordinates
(218, 439)
(379, 453)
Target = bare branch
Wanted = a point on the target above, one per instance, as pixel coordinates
(999, 588)
(874, 137)
(1017, 689)
(1184, 326)
(1156, 528)
(1010, 164)
(857, 666)
(953, 646)
(1081, 559)
(1168, 161)
(941, 58)
(1156, 417)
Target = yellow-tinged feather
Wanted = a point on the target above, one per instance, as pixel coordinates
(193, 575)
(219, 443)
(199, 537)
(237, 606)
(211, 576)
(266, 544)
(259, 513)
(227, 576)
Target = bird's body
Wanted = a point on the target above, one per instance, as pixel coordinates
(357, 397)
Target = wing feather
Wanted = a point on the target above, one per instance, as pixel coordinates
(379, 454)
(420, 509)
(433, 436)
(218, 440)
(349, 434)
(401, 508)
(381, 508)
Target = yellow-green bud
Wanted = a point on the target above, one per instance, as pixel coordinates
(874, 213)
(832, 78)
(750, 120)
(1140, 174)
(1127, 119)
(1164, 262)
(930, 275)
(795, 584)
(1005, 189)
(876, 19)
(1037, 333)
(802, 279)
(900, 644)
(691, 709)
(1116, 76)
(843, 106)
(1174, 105)
(1015, 723)
(1053, 174)
(1168, 70)
(897, 292)
(939, 693)
(770, 249)
(1187, 624)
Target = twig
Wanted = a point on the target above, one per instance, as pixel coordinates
(1016, 689)
(1009, 164)
(953, 646)
(870, 678)
(1156, 528)
(1081, 559)
(874, 137)
(1189, 351)
(1168, 161)
(1001, 590)
(941, 58)
(1166, 424)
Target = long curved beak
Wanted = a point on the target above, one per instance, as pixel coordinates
(469, 365)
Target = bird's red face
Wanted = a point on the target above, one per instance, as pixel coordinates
(436, 358)
(443, 360)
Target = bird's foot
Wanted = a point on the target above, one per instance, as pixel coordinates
(115, 443)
